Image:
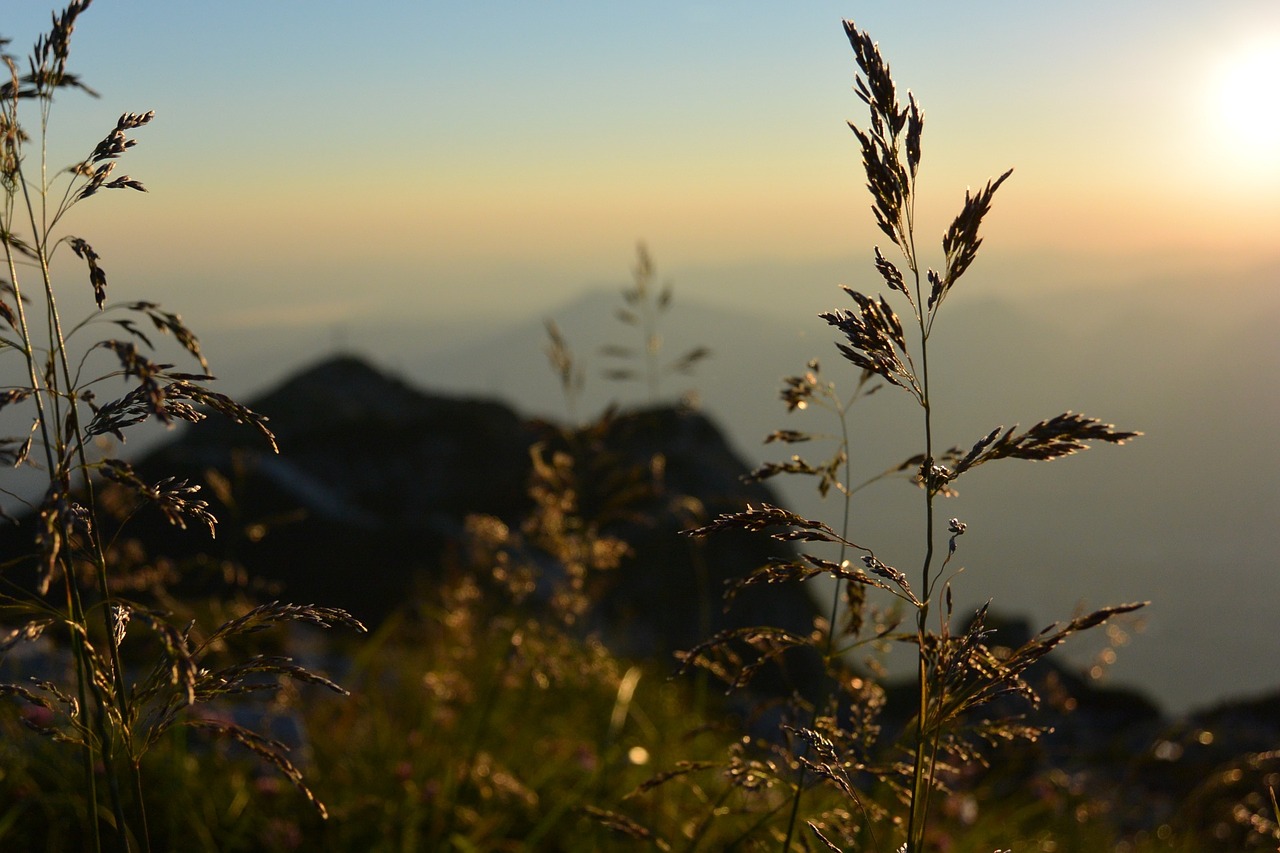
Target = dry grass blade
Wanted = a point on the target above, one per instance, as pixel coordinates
(686, 363)
(887, 184)
(828, 473)
(25, 634)
(182, 669)
(787, 436)
(855, 602)
(798, 391)
(58, 519)
(767, 516)
(626, 826)
(718, 656)
(780, 570)
(223, 405)
(133, 408)
(877, 90)
(105, 717)
(37, 699)
(642, 309)
(570, 374)
(167, 402)
(49, 58)
(133, 363)
(271, 751)
(1275, 810)
(248, 677)
(894, 576)
(915, 130)
(961, 242)
(6, 311)
(264, 616)
(1054, 438)
(892, 276)
(874, 336)
(116, 143)
(889, 180)
(97, 277)
(1053, 635)
(682, 768)
(969, 674)
(822, 838)
(172, 324)
(173, 497)
(956, 673)
(777, 570)
(14, 450)
(99, 165)
(121, 615)
(823, 758)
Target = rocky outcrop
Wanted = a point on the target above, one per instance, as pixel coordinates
(375, 479)
(371, 485)
(670, 594)
(370, 493)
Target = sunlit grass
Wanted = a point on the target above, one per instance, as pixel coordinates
(486, 715)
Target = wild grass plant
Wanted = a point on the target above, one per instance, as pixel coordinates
(643, 307)
(135, 673)
(490, 715)
(960, 671)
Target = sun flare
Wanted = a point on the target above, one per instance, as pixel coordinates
(1248, 104)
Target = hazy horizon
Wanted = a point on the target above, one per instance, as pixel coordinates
(414, 182)
(326, 163)
(1182, 516)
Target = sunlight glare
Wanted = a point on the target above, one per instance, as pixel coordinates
(1248, 97)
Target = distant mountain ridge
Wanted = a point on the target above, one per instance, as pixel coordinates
(386, 475)
(1186, 362)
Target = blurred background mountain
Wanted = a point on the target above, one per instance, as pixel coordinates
(1184, 516)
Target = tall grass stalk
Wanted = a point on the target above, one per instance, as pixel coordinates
(823, 394)
(112, 716)
(956, 673)
(643, 306)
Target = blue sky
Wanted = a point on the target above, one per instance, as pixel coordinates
(458, 157)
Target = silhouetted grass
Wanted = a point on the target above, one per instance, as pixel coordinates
(124, 693)
(488, 714)
(839, 742)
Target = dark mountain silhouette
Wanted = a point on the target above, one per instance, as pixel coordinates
(386, 474)
(375, 480)
(1184, 360)
(368, 500)
(373, 483)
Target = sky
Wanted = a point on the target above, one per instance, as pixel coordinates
(401, 177)
(321, 161)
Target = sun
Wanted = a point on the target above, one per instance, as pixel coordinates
(1247, 97)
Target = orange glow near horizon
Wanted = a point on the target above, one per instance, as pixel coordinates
(1151, 151)
(591, 227)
